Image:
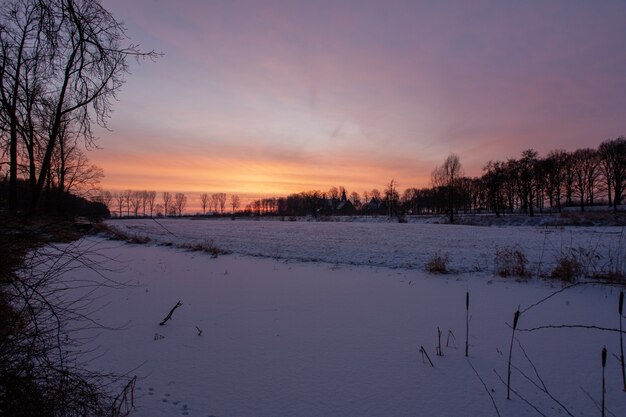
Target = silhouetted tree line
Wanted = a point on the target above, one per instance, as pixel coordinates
(528, 184)
(147, 203)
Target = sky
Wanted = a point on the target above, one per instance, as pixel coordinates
(266, 98)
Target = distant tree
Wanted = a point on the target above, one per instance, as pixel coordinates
(144, 201)
(128, 195)
(569, 165)
(151, 200)
(235, 202)
(527, 176)
(391, 198)
(376, 194)
(366, 197)
(585, 163)
(215, 202)
(106, 198)
(135, 202)
(119, 200)
(180, 202)
(204, 201)
(555, 177)
(167, 203)
(493, 179)
(447, 176)
(612, 154)
(221, 201)
(355, 199)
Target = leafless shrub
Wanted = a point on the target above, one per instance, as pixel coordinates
(43, 311)
(511, 262)
(438, 264)
(568, 269)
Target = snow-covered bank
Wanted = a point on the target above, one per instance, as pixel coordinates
(315, 339)
(392, 245)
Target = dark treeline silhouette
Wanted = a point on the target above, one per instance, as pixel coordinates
(529, 184)
(72, 205)
(145, 203)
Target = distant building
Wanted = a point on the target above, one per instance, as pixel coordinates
(340, 207)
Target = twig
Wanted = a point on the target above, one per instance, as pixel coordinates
(571, 326)
(169, 315)
(595, 402)
(567, 288)
(165, 228)
(424, 353)
(199, 331)
(519, 396)
(493, 401)
(543, 386)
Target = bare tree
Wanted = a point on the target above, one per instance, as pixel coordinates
(119, 199)
(447, 176)
(355, 199)
(557, 161)
(167, 202)
(235, 202)
(333, 193)
(180, 202)
(106, 197)
(73, 172)
(527, 176)
(61, 64)
(585, 174)
(204, 201)
(127, 195)
(135, 202)
(612, 155)
(391, 198)
(151, 199)
(159, 209)
(221, 201)
(215, 202)
(19, 32)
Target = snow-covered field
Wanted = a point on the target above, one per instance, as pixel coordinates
(391, 245)
(339, 334)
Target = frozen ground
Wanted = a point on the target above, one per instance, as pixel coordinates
(337, 337)
(391, 245)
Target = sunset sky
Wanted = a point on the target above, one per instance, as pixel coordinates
(272, 97)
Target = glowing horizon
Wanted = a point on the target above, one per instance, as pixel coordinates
(270, 99)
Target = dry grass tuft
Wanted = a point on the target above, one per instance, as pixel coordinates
(568, 269)
(438, 264)
(511, 262)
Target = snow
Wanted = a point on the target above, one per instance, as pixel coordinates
(336, 336)
(391, 245)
